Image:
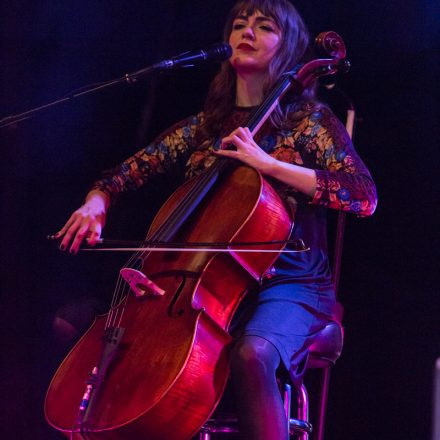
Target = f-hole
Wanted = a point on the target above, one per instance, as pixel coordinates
(172, 313)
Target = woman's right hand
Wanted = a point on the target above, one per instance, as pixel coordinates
(86, 222)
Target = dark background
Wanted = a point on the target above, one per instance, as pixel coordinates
(382, 385)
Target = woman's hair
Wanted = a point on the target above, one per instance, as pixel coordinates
(294, 48)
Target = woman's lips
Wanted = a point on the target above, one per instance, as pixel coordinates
(244, 46)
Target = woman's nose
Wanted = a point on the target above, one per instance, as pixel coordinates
(248, 33)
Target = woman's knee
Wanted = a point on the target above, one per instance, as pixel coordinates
(254, 355)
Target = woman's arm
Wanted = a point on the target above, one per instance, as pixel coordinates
(339, 179)
(301, 178)
(159, 157)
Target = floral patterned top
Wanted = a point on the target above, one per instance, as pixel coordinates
(319, 142)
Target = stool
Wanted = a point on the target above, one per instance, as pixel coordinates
(323, 353)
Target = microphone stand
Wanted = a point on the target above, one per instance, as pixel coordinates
(128, 78)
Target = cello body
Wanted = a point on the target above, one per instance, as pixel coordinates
(171, 367)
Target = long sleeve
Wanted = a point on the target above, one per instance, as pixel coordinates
(163, 155)
(320, 142)
(343, 180)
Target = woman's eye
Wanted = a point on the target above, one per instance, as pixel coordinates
(267, 28)
(238, 26)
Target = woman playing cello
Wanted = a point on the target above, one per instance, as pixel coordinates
(306, 154)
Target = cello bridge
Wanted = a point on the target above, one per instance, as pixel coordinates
(140, 284)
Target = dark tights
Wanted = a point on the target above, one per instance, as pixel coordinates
(254, 362)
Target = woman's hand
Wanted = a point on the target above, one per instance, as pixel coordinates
(247, 150)
(86, 222)
(301, 178)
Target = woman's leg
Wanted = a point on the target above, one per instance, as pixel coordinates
(254, 362)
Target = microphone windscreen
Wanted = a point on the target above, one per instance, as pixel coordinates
(219, 52)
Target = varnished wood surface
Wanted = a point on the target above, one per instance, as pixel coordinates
(172, 366)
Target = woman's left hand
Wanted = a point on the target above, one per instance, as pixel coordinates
(247, 152)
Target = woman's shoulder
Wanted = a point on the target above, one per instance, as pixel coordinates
(184, 128)
(310, 114)
(193, 120)
(310, 109)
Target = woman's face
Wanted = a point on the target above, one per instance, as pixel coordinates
(255, 40)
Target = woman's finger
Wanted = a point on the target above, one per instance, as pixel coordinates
(69, 222)
(70, 233)
(95, 234)
(79, 237)
(227, 153)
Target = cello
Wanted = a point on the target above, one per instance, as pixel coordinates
(156, 365)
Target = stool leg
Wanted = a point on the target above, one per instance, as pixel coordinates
(287, 403)
(303, 409)
(204, 435)
(323, 395)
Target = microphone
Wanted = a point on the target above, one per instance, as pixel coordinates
(218, 52)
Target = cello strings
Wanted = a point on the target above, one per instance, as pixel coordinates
(118, 294)
(122, 289)
(164, 231)
(168, 227)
